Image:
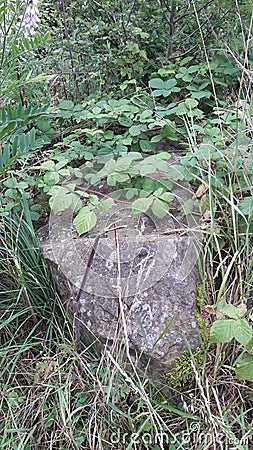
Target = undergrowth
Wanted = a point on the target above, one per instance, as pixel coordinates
(55, 394)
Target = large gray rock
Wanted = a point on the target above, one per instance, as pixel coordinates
(157, 280)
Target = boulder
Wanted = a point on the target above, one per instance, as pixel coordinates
(141, 285)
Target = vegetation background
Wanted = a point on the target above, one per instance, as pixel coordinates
(87, 89)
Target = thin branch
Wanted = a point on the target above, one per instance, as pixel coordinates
(183, 16)
(103, 195)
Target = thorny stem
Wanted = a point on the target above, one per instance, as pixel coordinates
(91, 191)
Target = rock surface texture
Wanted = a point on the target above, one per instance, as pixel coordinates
(144, 290)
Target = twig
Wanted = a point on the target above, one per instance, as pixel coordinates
(91, 191)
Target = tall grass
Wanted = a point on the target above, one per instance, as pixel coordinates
(53, 396)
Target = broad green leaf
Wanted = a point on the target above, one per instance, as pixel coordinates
(85, 220)
(242, 331)
(145, 168)
(43, 125)
(106, 205)
(244, 370)
(64, 199)
(146, 145)
(108, 135)
(108, 168)
(229, 310)
(150, 185)
(131, 193)
(163, 155)
(167, 197)
(125, 121)
(246, 206)
(120, 148)
(135, 130)
(187, 207)
(62, 163)
(159, 164)
(64, 172)
(88, 156)
(169, 133)
(158, 192)
(48, 165)
(51, 178)
(93, 199)
(135, 156)
(191, 103)
(146, 115)
(156, 83)
(170, 84)
(157, 138)
(141, 205)
(160, 208)
(96, 110)
(176, 172)
(201, 94)
(67, 105)
(222, 331)
(115, 178)
(122, 164)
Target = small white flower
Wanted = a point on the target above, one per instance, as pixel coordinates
(31, 19)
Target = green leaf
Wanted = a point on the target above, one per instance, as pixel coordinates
(125, 121)
(244, 370)
(167, 197)
(43, 125)
(222, 331)
(146, 146)
(187, 207)
(64, 199)
(160, 208)
(106, 205)
(246, 206)
(157, 138)
(135, 130)
(242, 331)
(170, 84)
(51, 178)
(48, 165)
(96, 110)
(62, 163)
(122, 164)
(120, 148)
(229, 310)
(67, 105)
(176, 172)
(85, 220)
(156, 83)
(158, 192)
(169, 133)
(145, 168)
(114, 178)
(141, 205)
(150, 185)
(201, 94)
(191, 103)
